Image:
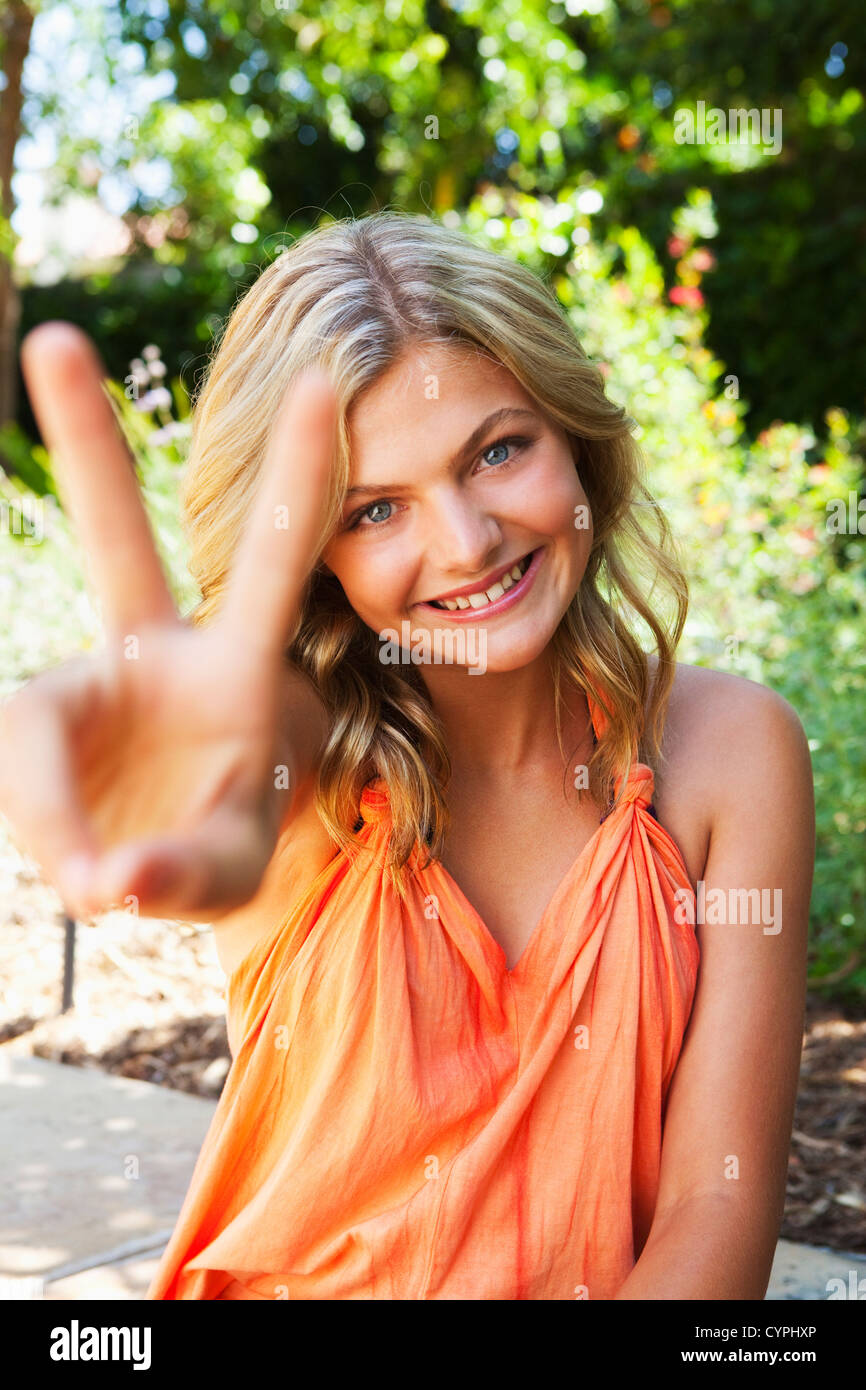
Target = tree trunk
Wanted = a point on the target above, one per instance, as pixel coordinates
(16, 22)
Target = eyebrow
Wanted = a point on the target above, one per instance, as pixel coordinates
(469, 445)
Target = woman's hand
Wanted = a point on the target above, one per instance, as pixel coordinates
(155, 769)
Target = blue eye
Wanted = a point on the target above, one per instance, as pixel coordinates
(516, 442)
(500, 444)
(372, 507)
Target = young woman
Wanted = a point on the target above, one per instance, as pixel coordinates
(513, 913)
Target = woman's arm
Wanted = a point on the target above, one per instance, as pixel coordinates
(730, 1107)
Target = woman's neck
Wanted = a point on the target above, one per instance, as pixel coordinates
(502, 723)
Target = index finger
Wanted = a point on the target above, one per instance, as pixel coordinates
(96, 474)
(277, 550)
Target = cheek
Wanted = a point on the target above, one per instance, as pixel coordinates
(561, 510)
(374, 577)
(554, 501)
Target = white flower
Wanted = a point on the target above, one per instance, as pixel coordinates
(157, 399)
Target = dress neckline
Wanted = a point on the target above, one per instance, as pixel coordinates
(639, 791)
(639, 785)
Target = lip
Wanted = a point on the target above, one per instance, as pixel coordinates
(487, 584)
(508, 599)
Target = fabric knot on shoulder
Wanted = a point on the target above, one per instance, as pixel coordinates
(639, 785)
(375, 801)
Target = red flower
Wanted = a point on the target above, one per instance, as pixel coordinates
(687, 295)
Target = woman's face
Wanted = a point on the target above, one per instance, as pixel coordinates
(442, 497)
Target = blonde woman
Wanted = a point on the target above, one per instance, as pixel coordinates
(513, 913)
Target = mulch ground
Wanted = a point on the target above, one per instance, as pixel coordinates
(148, 1003)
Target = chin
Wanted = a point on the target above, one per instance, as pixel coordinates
(513, 656)
(502, 655)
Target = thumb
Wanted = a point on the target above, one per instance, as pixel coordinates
(211, 872)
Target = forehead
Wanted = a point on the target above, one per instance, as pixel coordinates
(446, 383)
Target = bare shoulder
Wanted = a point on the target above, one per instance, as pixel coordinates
(725, 737)
(710, 708)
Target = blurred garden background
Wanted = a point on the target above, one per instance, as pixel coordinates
(155, 156)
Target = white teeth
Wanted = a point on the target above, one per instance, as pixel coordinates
(485, 596)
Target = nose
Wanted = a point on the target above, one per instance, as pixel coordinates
(463, 536)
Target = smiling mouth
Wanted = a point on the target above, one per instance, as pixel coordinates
(486, 596)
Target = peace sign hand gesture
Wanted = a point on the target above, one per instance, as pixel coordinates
(148, 769)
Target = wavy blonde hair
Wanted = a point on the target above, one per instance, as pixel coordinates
(353, 296)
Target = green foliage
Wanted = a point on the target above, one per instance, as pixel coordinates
(273, 113)
(30, 461)
(282, 110)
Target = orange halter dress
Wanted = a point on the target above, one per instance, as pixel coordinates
(406, 1118)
